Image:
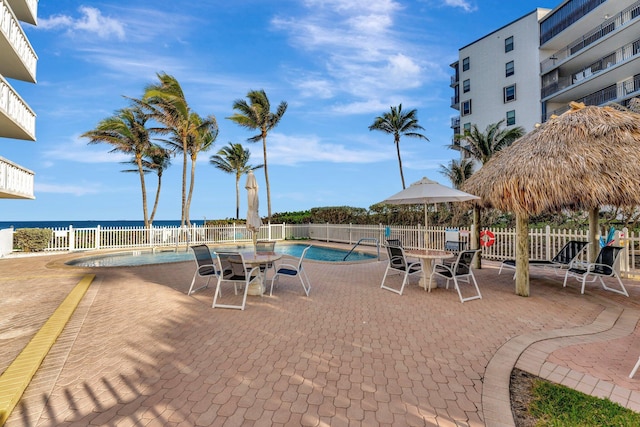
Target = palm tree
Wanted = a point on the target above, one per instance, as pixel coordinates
(457, 171)
(482, 146)
(256, 114)
(156, 159)
(398, 123)
(203, 137)
(233, 159)
(126, 131)
(168, 106)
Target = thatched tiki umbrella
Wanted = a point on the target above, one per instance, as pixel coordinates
(586, 158)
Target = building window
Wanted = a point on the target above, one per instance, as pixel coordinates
(508, 44)
(511, 117)
(466, 108)
(509, 69)
(466, 86)
(466, 127)
(465, 64)
(509, 93)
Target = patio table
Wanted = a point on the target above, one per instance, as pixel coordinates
(259, 259)
(427, 258)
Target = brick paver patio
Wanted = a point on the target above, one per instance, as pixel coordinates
(139, 351)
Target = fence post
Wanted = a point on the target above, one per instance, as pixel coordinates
(623, 240)
(547, 238)
(72, 238)
(97, 236)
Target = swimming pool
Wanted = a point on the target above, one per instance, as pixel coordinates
(145, 257)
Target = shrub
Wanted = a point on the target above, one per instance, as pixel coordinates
(32, 239)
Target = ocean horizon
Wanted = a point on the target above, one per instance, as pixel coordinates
(91, 223)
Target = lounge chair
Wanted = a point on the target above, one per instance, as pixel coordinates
(604, 266)
(563, 260)
(460, 270)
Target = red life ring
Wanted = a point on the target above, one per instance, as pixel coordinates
(487, 238)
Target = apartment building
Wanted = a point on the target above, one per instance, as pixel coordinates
(17, 120)
(590, 53)
(582, 50)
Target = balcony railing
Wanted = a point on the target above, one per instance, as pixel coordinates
(623, 54)
(17, 41)
(17, 120)
(16, 182)
(600, 97)
(623, 18)
(25, 10)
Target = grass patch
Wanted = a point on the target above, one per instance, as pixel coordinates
(557, 405)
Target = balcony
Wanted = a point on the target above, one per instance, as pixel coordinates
(619, 62)
(17, 120)
(609, 26)
(25, 10)
(18, 57)
(16, 182)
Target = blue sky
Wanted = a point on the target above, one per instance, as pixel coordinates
(337, 63)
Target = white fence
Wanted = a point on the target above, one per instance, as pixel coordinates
(544, 242)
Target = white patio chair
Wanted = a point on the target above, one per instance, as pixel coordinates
(293, 270)
(398, 264)
(232, 269)
(460, 270)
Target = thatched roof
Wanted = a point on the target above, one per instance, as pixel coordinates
(585, 158)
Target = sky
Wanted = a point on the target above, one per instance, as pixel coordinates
(337, 63)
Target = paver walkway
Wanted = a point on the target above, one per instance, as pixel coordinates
(139, 351)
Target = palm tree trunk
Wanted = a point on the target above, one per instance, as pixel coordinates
(155, 203)
(266, 176)
(184, 182)
(144, 191)
(191, 185)
(237, 196)
(397, 140)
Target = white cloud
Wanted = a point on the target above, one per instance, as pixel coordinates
(463, 4)
(293, 150)
(79, 151)
(357, 48)
(92, 21)
(76, 190)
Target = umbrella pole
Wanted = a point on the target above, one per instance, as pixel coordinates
(426, 228)
(254, 237)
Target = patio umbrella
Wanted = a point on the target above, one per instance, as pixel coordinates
(586, 158)
(253, 216)
(428, 192)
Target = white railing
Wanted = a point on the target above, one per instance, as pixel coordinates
(13, 32)
(12, 106)
(544, 242)
(15, 181)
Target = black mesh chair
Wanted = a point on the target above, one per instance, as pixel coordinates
(398, 264)
(604, 266)
(460, 270)
(205, 266)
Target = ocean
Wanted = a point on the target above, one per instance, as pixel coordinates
(91, 224)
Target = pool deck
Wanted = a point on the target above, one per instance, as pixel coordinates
(138, 351)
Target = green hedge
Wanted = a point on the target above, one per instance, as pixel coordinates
(32, 239)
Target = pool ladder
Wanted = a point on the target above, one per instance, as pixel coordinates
(365, 239)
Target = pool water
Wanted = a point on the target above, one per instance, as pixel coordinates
(145, 257)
